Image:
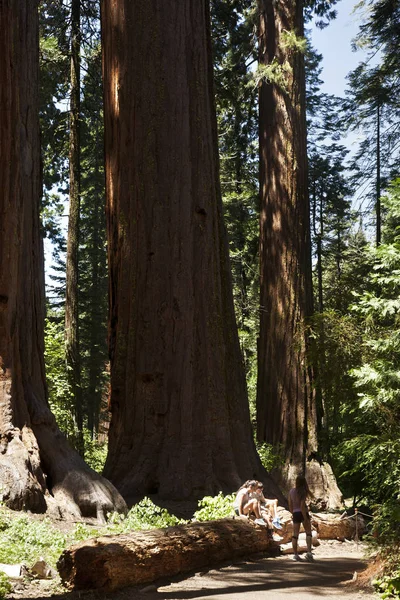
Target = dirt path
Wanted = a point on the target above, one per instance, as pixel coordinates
(278, 578)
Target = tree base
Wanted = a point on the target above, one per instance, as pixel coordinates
(321, 481)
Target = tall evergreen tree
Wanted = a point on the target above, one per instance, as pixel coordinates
(286, 407)
(93, 253)
(35, 457)
(72, 351)
(87, 336)
(234, 51)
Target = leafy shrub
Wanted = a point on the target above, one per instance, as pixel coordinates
(269, 458)
(386, 524)
(5, 585)
(95, 452)
(144, 515)
(388, 586)
(23, 539)
(217, 507)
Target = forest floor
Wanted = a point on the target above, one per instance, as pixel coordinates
(341, 570)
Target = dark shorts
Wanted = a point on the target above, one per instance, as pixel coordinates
(298, 517)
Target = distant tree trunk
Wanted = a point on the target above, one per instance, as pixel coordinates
(180, 422)
(71, 296)
(286, 407)
(35, 456)
(378, 175)
(97, 331)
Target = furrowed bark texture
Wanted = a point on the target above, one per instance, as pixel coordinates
(286, 408)
(34, 455)
(72, 350)
(180, 422)
(113, 562)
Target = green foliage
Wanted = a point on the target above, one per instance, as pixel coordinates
(217, 507)
(95, 452)
(368, 454)
(60, 397)
(386, 526)
(291, 41)
(269, 457)
(5, 585)
(368, 465)
(23, 539)
(388, 586)
(144, 515)
(274, 72)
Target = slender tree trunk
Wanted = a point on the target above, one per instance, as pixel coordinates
(96, 357)
(180, 422)
(34, 456)
(72, 283)
(286, 407)
(319, 254)
(378, 175)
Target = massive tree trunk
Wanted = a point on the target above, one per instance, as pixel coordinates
(180, 420)
(72, 350)
(34, 455)
(286, 408)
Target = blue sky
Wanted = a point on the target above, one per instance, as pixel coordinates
(334, 43)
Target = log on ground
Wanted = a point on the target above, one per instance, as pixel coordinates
(332, 527)
(113, 562)
(329, 526)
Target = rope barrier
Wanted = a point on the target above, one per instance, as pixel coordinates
(355, 516)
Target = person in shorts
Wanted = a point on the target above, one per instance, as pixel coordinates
(298, 507)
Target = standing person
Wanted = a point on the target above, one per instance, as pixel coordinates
(299, 510)
(244, 504)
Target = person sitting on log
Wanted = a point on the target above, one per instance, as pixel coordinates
(245, 505)
(269, 507)
(268, 510)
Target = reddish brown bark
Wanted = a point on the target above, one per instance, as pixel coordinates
(72, 347)
(286, 408)
(114, 562)
(180, 420)
(34, 455)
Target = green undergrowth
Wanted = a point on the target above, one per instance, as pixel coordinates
(388, 583)
(215, 507)
(388, 586)
(5, 585)
(25, 539)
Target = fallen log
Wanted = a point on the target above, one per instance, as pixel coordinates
(332, 527)
(329, 526)
(112, 562)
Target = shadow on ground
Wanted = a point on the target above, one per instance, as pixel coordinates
(259, 578)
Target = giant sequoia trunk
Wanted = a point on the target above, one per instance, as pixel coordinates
(34, 455)
(286, 408)
(180, 421)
